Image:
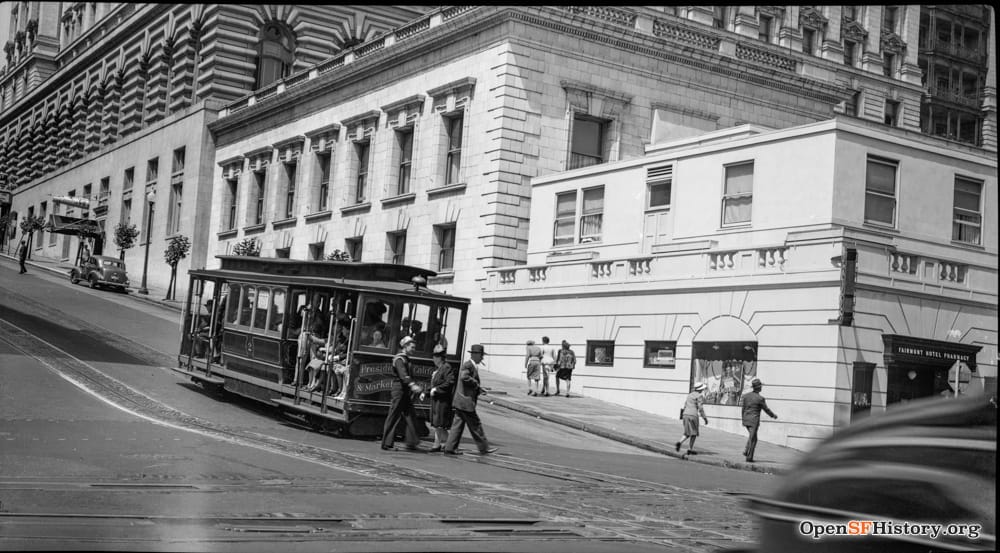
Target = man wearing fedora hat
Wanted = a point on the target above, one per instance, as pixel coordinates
(467, 390)
(753, 404)
(692, 409)
(403, 390)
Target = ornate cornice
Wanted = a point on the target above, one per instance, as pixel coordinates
(811, 17)
(777, 12)
(850, 29)
(891, 43)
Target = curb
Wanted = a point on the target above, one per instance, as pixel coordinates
(629, 440)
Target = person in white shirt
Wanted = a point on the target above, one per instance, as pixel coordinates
(549, 355)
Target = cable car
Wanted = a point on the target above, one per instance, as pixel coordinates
(316, 338)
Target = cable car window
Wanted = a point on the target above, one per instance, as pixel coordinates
(276, 316)
(414, 323)
(298, 311)
(246, 305)
(233, 303)
(376, 318)
(260, 307)
(445, 328)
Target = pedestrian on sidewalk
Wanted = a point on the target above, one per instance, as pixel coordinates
(533, 366)
(467, 391)
(549, 354)
(401, 408)
(753, 404)
(565, 364)
(442, 393)
(693, 407)
(22, 254)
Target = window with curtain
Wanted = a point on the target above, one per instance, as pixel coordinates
(232, 191)
(260, 182)
(174, 209)
(290, 171)
(397, 247)
(880, 191)
(361, 185)
(445, 235)
(405, 141)
(592, 215)
(453, 160)
(968, 211)
(587, 142)
(324, 159)
(737, 199)
(562, 232)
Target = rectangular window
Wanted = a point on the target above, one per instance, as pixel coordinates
(354, 247)
(587, 144)
(600, 352)
(968, 211)
(592, 215)
(445, 236)
(888, 65)
(861, 390)
(324, 159)
(453, 160)
(660, 354)
(764, 29)
(880, 192)
(396, 244)
(808, 39)
(849, 53)
(178, 163)
(232, 192)
(260, 185)
(890, 18)
(405, 141)
(174, 209)
(737, 200)
(361, 185)
(126, 215)
(290, 190)
(317, 251)
(891, 113)
(104, 190)
(152, 170)
(129, 179)
(658, 182)
(562, 231)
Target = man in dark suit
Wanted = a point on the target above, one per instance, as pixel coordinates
(22, 254)
(467, 390)
(401, 408)
(753, 404)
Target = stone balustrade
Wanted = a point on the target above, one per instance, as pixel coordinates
(952, 272)
(903, 263)
(771, 258)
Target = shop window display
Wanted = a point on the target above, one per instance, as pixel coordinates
(726, 368)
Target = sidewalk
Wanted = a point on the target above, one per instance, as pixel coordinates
(637, 428)
(609, 420)
(62, 268)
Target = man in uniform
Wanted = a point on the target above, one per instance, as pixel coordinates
(467, 390)
(403, 390)
(753, 404)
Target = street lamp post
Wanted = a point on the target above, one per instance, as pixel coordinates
(151, 199)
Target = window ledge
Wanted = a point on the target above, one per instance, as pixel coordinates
(735, 226)
(568, 257)
(880, 227)
(172, 236)
(459, 187)
(254, 228)
(402, 198)
(356, 208)
(657, 209)
(442, 278)
(227, 233)
(968, 245)
(319, 215)
(284, 223)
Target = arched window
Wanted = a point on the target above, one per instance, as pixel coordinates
(274, 54)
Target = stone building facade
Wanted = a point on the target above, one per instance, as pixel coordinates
(529, 91)
(110, 102)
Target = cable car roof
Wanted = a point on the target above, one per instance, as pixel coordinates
(387, 277)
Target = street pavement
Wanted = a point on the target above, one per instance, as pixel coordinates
(609, 420)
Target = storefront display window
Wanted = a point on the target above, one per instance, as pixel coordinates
(660, 354)
(726, 368)
(600, 352)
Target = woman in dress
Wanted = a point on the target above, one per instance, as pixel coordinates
(533, 366)
(565, 364)
(441, 393)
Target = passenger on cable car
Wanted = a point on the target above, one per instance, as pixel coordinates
(378, 340)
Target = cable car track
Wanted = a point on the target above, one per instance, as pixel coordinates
(575, 503)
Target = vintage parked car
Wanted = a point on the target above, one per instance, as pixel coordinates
(101, 270)
(930, 462)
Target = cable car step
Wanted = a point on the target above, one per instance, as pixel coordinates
(199, 377)
(334, 413)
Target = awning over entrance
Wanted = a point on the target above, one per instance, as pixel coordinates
(921, 351)
(62, 224)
